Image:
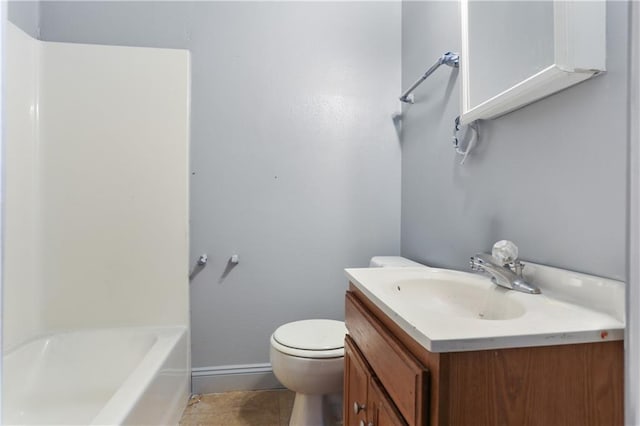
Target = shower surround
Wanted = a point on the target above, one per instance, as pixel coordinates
(96, 244)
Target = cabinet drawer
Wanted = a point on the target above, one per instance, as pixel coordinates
(403, 377)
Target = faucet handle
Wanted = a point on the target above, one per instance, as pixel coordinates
(505, 252)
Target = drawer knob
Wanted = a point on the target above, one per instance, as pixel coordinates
(357, 408)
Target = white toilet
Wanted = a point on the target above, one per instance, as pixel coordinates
(307, 357)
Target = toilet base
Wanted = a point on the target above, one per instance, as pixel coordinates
(312, 410)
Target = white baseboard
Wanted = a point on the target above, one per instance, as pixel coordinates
(232, 378)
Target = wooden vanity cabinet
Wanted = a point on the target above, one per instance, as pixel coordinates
(365, 401)
(405, 384)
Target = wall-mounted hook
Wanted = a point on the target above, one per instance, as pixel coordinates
(199, 266)
(231, 263)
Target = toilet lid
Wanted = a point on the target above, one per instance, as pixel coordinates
(312, 335)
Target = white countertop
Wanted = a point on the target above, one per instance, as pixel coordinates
(423, 308)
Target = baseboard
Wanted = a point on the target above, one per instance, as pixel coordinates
(227, 378)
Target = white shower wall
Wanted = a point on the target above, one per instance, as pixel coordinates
(114, 185)
(22, 307)
(97, 187)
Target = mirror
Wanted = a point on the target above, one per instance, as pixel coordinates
(516, 52)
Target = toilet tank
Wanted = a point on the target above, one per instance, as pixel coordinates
(393, 262)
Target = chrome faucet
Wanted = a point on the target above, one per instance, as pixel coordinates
(508, 275)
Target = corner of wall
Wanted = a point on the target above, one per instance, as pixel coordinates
(25, 15)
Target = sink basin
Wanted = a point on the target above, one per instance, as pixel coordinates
(459, 298)
(450, 311)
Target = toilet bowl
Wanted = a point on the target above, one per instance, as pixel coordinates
(307, 357)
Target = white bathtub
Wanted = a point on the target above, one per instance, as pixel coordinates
(99, 377)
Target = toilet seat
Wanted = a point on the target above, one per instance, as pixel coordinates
(311, 338)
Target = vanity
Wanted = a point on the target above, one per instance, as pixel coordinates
(430, 346)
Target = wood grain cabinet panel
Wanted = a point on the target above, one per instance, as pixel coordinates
(356, 386)
(384, 412)
(564, 385)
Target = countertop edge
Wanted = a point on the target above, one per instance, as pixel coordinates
(489, 343)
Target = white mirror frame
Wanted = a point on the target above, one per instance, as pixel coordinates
(579, 54)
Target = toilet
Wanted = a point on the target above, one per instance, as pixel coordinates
(307, 357)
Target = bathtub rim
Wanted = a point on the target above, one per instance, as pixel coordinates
(167, 340)
(139, 381)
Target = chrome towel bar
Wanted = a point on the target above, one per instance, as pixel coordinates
(448, 58)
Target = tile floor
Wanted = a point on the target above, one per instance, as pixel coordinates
(254, 408)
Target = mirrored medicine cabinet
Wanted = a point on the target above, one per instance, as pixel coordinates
(516, 52)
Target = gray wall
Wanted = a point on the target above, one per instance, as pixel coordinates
(26, 15)
(551, 176)
(295, 160)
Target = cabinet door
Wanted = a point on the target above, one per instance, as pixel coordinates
(383, 412)
(356, 385)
